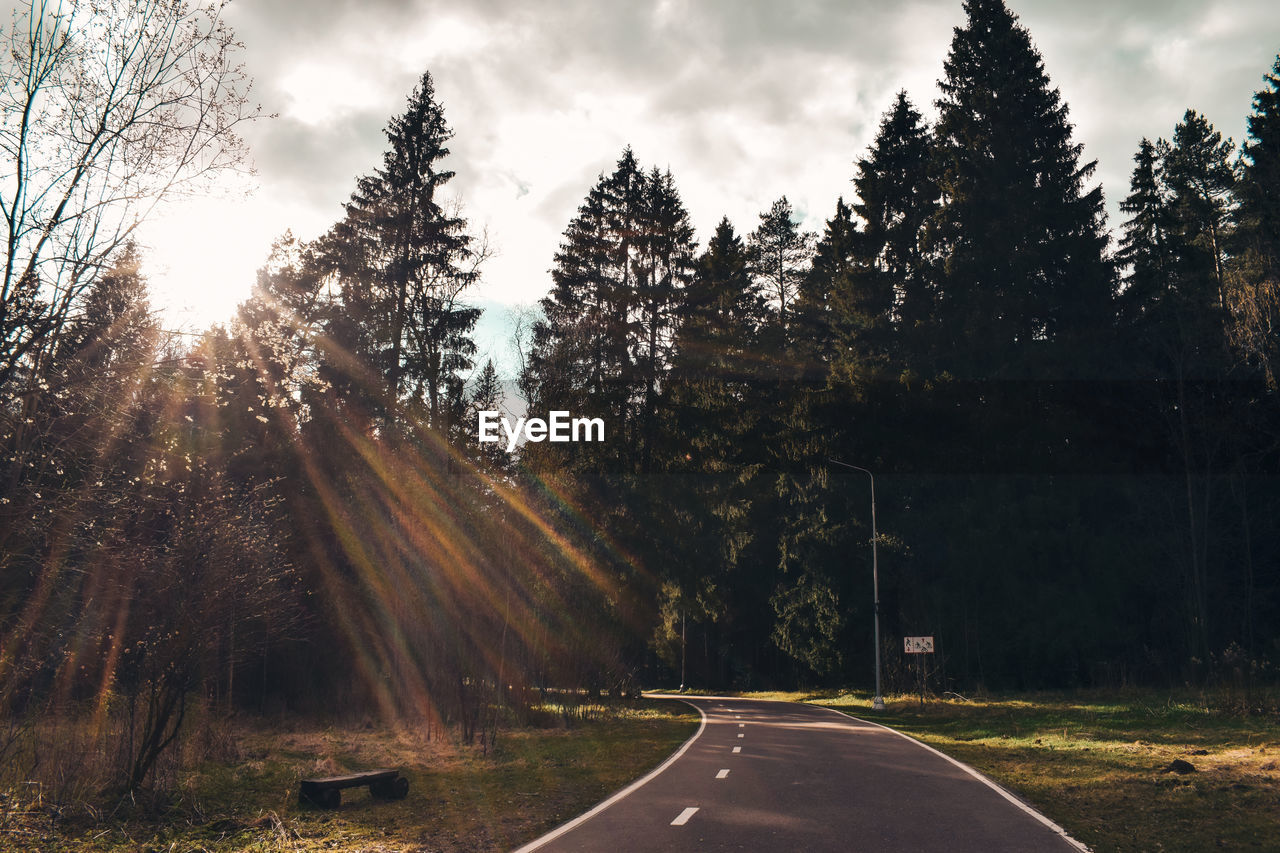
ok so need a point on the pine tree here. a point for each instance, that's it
(780, 256)
(1018, 238)
(1200, 177)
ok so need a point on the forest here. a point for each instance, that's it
(1072, 427)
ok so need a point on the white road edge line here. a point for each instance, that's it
(975, 774)
(722, 774)
(627, 791)
(682, 818)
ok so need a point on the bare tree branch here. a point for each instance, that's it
(107, 108)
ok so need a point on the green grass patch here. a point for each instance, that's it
(460, 799)
(1096, 762)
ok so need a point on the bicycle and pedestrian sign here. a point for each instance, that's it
(918, 645)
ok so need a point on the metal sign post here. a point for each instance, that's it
(919, 646)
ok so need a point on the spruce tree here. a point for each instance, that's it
(712, 386)
(1258, 215)
(569, 353)
(580, 360)
(722, 311)
(87, 389)
(405, 260)
(1019, 240)
(664, 269)
(818, 318)
(1023, 300)
(1173, 249)
(114, 327)
(486, 396)
(278, 323)
(604, 342)
(1255, 298)
(897, 195)
(830, 330)
(710, 413)
(1144, 247)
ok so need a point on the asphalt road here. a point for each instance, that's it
(763, 775)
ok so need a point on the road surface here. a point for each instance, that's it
(762, 775)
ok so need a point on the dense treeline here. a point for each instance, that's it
(1073, 443)
(291, 512)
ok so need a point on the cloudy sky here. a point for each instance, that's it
(743, 100)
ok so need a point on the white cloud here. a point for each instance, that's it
(320, 92)
(743, 101)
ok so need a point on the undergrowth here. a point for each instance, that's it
(242, 793)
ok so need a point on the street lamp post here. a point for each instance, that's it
(878, 703)
(682, 648)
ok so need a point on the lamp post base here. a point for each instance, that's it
(877, 704)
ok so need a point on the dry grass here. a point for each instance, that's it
(460, 798)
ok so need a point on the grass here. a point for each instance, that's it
(459, 798)
(1096, 763)
(1093, 762)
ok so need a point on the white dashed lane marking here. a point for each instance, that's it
(737, 749)
(683, 817)
(722, 774)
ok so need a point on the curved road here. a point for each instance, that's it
(763, 775)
